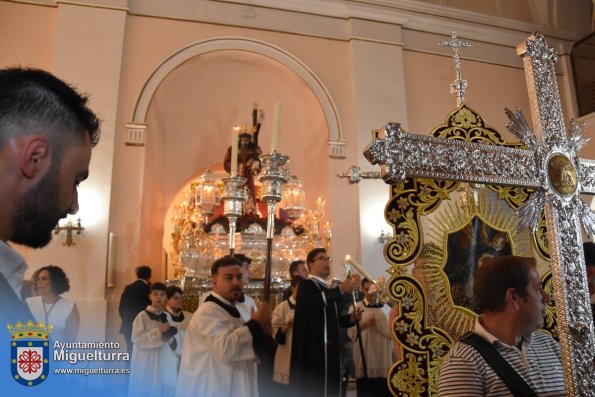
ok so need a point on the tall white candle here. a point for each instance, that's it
(234, 150)
(276, 125)
(359, 268)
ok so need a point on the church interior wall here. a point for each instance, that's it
(525, 11)
(342, 96)
(429, 100)
(27, 35)
(380, 96)
(379, 63)
(90, 38)
(190, 114)
(85, 39)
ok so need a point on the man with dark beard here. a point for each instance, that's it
(221, 348)
(46, 135)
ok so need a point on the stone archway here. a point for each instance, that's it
(138, 116)
(190, 113)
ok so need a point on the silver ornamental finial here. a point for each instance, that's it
(355, 175)
(458, 86)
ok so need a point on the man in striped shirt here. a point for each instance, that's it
(508, 294)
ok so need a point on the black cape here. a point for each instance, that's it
(310, 367)
(134, 300)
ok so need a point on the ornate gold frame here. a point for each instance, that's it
(422, 213)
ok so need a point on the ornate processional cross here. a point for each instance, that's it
(550, 167)
(459, 85)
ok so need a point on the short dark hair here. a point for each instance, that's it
(295, 280)
(158, 287)
(58, 279)
(143, 272)
(496, 276)
(171, 290)
(223, 262)
(294, 265)
(243, 258)
(33, 99)
(589, 249)
(365, 280)
(35, 276)
(312, 255)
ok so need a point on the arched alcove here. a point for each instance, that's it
(143, 101)
(191, 116)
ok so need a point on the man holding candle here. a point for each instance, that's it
(315, 356)
(219, 357)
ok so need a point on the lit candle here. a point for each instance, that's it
(208, 195)
(276, 125)
(359, 268)
(348, 262)
(234, 150)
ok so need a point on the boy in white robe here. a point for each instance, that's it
(219, 356)
(180, 318)
(376, 341)
(283, 332)
(153, 370)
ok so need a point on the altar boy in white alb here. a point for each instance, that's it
(153, 371)
(180, 318)
(220, 348)
(375, 341)
(283, 331)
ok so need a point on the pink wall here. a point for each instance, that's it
(191, 114)
(193, 110)
(26, 35)
(191, 119)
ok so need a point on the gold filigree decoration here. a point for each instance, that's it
(428, 319)
(550, 325)
(424, 346)
(423, 212)
(540, 239)
(409, 201)
(415, 198)
(467, 125)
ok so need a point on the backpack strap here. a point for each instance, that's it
(509, 376)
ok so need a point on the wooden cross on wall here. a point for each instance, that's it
(551, 167)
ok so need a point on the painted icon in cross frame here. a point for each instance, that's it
(443, 231)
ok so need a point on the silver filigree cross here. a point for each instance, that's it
(551, 167)
(459, 85)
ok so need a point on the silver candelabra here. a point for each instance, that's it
(233, 197)
(274, 175)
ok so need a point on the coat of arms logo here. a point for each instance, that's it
(29, 352)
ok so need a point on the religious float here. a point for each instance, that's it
(462, 194)
(241, 211)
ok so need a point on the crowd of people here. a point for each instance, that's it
(294, 349)
(46, 136)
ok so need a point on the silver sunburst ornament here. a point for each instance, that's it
(558, 171)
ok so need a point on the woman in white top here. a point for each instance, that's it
(48, 306)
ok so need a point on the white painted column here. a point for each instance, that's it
(88, 54)
(379, 91)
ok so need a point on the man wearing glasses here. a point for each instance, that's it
(315, 356)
